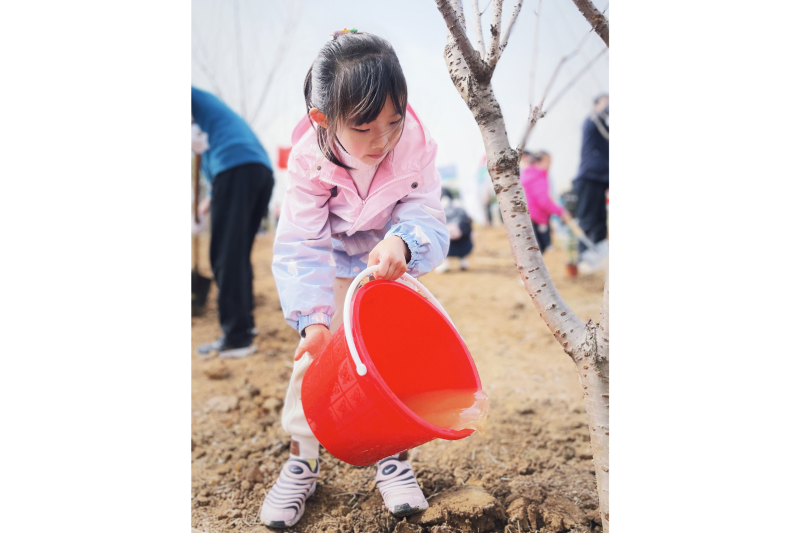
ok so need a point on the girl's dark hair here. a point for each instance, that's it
(349, 82)
(534, 157)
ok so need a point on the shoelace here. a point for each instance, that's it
(395, 476)
(294, 483)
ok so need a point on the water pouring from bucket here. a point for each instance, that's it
(395, 375)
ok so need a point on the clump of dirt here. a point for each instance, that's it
(215, 369)
(531, 468)
(466, 508)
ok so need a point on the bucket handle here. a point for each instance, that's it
(348, 326)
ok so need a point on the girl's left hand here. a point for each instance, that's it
(392, 254)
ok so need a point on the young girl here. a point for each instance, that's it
(363, 190)
(537, 191)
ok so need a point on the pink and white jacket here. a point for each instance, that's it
(322, 202)
(537, 191)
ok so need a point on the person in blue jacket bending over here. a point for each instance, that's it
(240, 174)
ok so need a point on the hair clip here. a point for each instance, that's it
(341, 32)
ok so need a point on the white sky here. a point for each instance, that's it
(416, 30)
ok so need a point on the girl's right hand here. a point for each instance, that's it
(317, 337)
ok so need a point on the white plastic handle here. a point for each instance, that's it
(348, 326)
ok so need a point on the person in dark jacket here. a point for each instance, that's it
(592, 181)
(240, 173)
(459, 226)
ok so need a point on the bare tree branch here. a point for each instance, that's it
(537, 113)
(458, 5)
(594, 17)
(288, 32)
(493, 53)
(532, 122)
(535, 54)
(574, 79)
(564, 59)
(507, 31)
(478, 28)
(456, 29)
(534, 116)
(209, 74)
(457, 65)
(560, 64)
(201, 59)
(240, 59)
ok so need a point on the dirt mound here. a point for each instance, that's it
(467, 508)
(532, 467)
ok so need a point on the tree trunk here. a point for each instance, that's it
(593, 373)
(594, 17)
(586, 344)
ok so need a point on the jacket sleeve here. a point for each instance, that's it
(419, 220)
(303, 263)
(541, 196)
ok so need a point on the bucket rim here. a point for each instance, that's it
(374, 375)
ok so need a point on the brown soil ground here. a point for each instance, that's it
(531, 469)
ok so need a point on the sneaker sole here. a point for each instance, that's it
(282, 524)
(237, 353)
(406, 510)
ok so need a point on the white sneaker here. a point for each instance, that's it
(444, 267)
(399, 487)
(463, 263)
(586, 268)
(221, 349)
(286, 501)
(238, 353)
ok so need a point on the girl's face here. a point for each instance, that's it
(544, 162)
(370, 142)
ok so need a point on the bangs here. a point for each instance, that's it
(364, 88)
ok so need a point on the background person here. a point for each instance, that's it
(486, 194)
(459, 227)
(537, 192)
(592, 181)
(240, 173)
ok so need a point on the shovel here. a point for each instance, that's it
(200, 283)
(596, 256)
(573, 226)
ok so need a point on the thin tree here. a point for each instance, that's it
(586, 344)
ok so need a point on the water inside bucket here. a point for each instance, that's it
(450, 408)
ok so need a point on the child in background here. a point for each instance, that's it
(363, 190)
(537, 191)
(459, 226)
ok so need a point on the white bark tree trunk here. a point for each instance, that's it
(586, 344)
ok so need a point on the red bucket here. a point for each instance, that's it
(407, 347)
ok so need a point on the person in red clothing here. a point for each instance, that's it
(537, 191)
